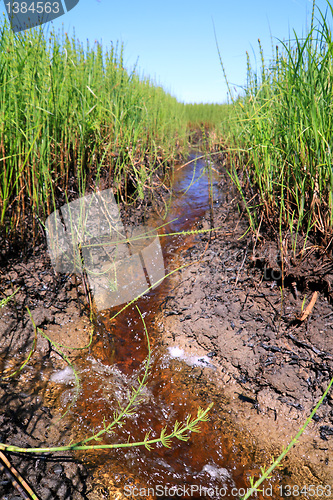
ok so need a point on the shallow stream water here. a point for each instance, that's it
(213, 463)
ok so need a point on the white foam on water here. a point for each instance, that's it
(216, 472)
(178, 353)
(65, 376)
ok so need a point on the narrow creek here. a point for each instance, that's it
(217, 458)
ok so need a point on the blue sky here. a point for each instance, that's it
(174, 41)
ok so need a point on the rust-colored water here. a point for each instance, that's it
(212, 459)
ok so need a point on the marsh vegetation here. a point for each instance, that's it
(74, 120)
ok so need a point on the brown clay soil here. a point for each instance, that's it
(270, 366)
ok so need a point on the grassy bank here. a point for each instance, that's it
(283, 134)
(206, 115)
(209, 125)
(73, 118)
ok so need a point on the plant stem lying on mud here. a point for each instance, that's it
(5, 301)
(57, 346)
(266, 474)
(180, 431)
(18, 481)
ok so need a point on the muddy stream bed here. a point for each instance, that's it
(217, 337)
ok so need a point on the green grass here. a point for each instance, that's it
(207, 115)
(71, 116)
(282, 134)
(73, 119)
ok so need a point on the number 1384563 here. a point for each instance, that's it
(33, 7)
(308, 490)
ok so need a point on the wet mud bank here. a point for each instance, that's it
(271, 368)
(220, 333)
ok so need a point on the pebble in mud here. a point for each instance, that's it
(58, 469)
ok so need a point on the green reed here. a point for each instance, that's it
(208, 115)
(72, 117)
(283, 132)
